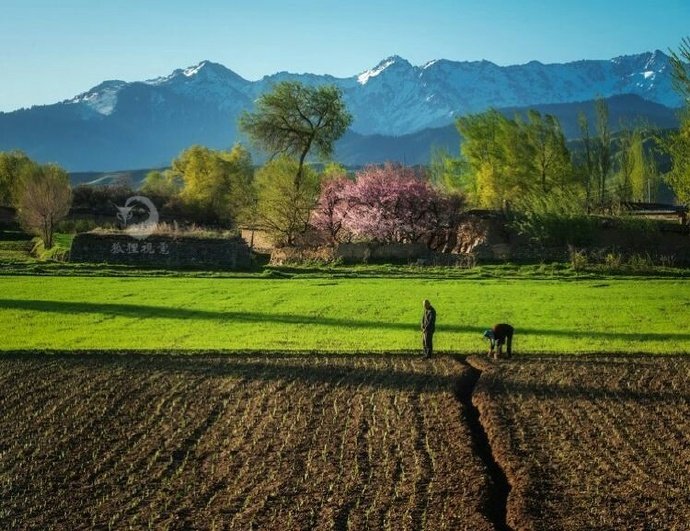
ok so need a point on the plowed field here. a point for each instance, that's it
(591, 443)
(240, 442)
(343, 442)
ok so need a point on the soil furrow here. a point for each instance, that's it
(497, 496)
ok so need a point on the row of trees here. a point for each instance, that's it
(504, 159)
(518, 159)
(389, 203)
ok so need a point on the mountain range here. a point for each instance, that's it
(399, 110)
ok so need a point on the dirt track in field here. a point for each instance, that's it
(237, 442)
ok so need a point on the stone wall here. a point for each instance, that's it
(484, 236)
(161, 251)
(354, 253)
(487, 238)
(362, 252)
(669, 243)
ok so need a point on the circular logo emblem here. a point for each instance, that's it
(143, 229)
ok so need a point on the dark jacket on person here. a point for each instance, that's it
(502, 332)
(429, 320)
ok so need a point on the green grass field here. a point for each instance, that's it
(340, 314)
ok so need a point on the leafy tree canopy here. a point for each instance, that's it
(294, 119)
(15, 166)
(217, 182)
(284, 206)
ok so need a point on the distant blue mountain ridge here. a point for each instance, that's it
(400, 111)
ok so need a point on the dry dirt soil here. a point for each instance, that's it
(343, 442)
(591, 443)
(238, 442)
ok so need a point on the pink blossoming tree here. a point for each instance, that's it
(389, 203)
(331, 212)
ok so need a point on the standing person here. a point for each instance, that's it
(428, 328)
(499, 335)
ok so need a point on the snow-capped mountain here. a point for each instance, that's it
(401, 98)
(118, 124)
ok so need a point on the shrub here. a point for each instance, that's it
(667, 261)
(641, 263)
(57, 253)
(578, 259)
(613, 260)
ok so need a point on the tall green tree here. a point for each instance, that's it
(636, 175)
(678, 144)
(294, 120)
(602, 149)
(678, 147)
(15, 166)
(552, 159)
(482, 151)
(519, 157)
(626, 165)
(587, 167)
(217, 182)
(597, 163)
(283, 205)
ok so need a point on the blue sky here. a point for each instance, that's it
(51, 50)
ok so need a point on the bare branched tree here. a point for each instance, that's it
(44, 200)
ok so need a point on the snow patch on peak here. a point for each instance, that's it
(193, 70)
(657, 61)
(102, 98)
(430, 63)
(365, 76)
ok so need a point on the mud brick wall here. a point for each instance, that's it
(161, 251)
(353, 253)
(357, 253)
(488, 238)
